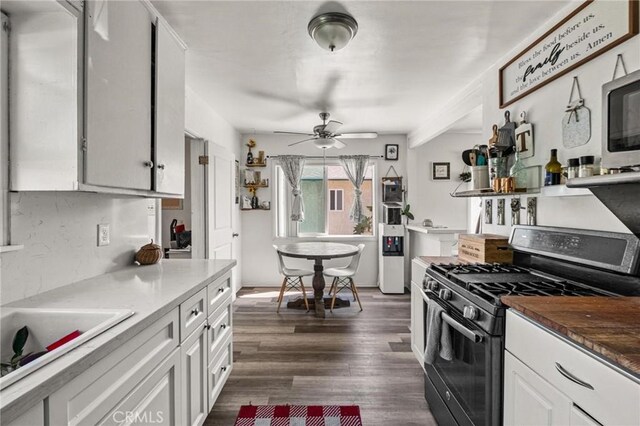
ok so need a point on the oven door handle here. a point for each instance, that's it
(469, 334)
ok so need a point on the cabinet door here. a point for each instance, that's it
(417, 322)
(156, 400)
(580, 418)
(32, 417)
(169, 113)
(194, 381)
(529, 399)
(118, 95)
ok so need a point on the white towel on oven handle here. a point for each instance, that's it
(438, 334)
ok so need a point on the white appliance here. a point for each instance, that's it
(391, 258)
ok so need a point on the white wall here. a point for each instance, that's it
(203, 121)
(545, 109)
(260, 267)
(430, 198)
(59, 234)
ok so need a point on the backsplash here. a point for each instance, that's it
(59, 234)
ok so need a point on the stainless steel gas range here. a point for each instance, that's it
(547, 262)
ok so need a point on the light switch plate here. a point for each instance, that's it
(104, 235)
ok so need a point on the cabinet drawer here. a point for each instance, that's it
(219, 371)
(614, 398)
(220, 327)
(193, 313)
(218, 291)
(88, 398)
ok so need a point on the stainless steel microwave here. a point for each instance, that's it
(621, 122)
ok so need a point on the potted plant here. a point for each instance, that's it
(407, 212)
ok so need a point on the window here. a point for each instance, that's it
(328, 197)
(335, 200)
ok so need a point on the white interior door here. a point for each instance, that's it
(197, 187)
(221, 184)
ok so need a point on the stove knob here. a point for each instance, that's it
(432, 285)
(445, 294)
(470, 312)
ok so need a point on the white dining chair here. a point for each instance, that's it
(343, 278)
(292, 280)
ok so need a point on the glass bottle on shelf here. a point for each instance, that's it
(249, 157)
(553, 170)
(519, 173)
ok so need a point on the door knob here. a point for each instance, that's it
(148, 164)
(161, 166)
(235, 235)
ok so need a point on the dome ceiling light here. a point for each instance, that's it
(333, 31)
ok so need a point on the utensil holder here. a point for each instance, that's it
(479, 177)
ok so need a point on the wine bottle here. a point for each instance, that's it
(553, 170)
(519, 173)
(249, 157)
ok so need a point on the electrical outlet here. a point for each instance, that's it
(104, 236)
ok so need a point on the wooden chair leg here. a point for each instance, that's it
(354, 290)
(334, 286)
(281, 296)
(304, 294)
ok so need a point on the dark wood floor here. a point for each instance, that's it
(350, 357)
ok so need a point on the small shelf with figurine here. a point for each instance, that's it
(255, 161)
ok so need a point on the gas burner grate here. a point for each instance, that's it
(448, 269)
(493, 291)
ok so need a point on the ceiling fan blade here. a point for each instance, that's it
(338, 144)
(293, 133)
(304, 140)
(367, 135)
(332, 126)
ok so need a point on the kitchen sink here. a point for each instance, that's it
(47, 326)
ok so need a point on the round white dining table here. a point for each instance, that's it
(318, 252)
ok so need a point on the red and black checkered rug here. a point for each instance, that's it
(299, 415)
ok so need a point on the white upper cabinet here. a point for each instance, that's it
(169, 112)
(118, 94)
(45, 94)
(96, 99)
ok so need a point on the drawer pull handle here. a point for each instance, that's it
(207, 326)
(195, 311)
(224, 368)
(223, 326)
(571, 377)
(220, 290)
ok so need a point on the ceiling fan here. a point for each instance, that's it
(325, 135)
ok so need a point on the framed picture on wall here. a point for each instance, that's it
(441, 171)
(391, 152)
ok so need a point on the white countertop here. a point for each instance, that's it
(436, 230)
(150, 291)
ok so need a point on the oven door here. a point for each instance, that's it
(470, 384)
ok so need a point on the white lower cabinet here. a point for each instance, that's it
(153, 378)
(418, 299)
(94, 395)
(194, 381)
(156, 400)
(32, 417)
(529, 399)
(550, 381)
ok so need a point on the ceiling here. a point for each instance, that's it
(255, 64)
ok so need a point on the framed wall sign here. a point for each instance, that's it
(590, 30)
(391, 152)
(441, 171)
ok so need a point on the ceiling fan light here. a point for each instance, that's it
(333, 31)
(323, 143)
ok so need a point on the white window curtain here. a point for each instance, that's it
(355, 166)
(292, 166)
